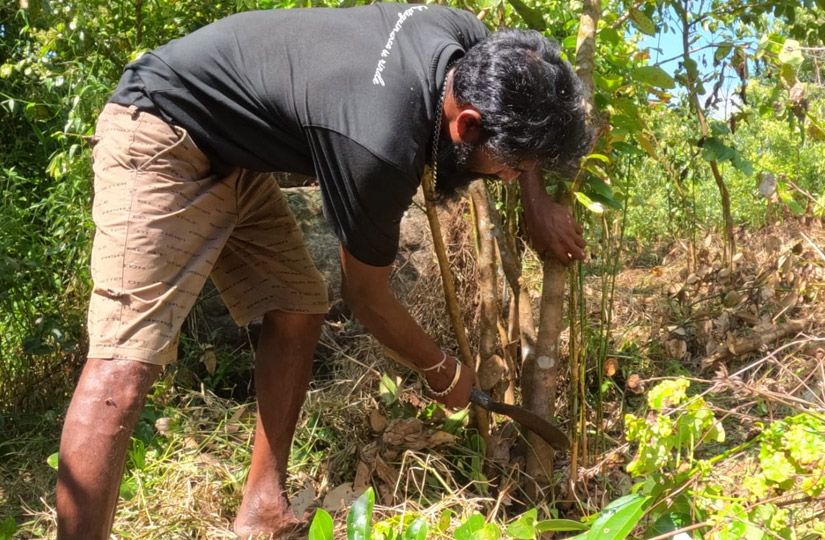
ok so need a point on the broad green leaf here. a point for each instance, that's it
(642, 22)
(588, 203)
(359, 518)
(609, 35)
(618, 518)
(52, 461)
(487, 532)
(524, 527)
(444, 520)
(719, 128)
(667, 522)
(128, 488)
(691, 68)
(627, 148)
(531, 16)
(7, 528)
(417, 530)
(715, 150)
(742, 164)
(455, 421)
(322, 526)
(722, 51)
(791, 53)
(668, 393)
(560, 525)
(387, 389)
(606, 201)
(654, 76)
(466, 530)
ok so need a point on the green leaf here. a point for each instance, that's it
(560, 525)
(742, 164)
(417, 530)
(444, 520)
(466, 530)
(668, 393)
(654, 76)
(487, 532)
(359, 518)
(716, 150)
(52, 461)
(791, 53)
(322, 526)
(642, 22)
(128, 488)
(669, 522)
(7, 528)
(722, 51)
(531, 16)
(588, 203)
(524, 527)
(618, 519)
(387, 389)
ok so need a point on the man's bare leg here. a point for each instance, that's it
(283, 368)
(102, 415)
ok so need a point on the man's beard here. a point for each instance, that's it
(453, 175)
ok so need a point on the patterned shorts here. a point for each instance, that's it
(165, 221)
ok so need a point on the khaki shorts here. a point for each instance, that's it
(165, 222)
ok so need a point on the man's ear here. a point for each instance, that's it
(466, 127)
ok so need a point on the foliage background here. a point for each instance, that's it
(59, 61)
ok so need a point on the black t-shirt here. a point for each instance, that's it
(347, 95)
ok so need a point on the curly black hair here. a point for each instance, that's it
(530, 99)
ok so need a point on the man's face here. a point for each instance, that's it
(460, 163)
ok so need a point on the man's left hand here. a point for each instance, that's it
(553, 231)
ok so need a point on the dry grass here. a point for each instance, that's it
(186, 481)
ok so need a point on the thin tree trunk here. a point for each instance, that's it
(491, 367)
(540, 372)
(730, 241)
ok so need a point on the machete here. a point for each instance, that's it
(529, 420)
(538, 425)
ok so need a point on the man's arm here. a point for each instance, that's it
(551, 227)
(366, 290)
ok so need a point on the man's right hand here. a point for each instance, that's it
(459, 397)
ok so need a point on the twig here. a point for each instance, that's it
(448, 283)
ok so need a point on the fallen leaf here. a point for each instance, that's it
(303, 500)
(339, 497)
(635, 384)
(209, 359)
(611, 366)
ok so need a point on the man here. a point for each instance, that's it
(361, 98)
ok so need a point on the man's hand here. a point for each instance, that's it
(459, 397)
(551, 227)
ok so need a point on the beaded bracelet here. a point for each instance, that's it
(452, 385)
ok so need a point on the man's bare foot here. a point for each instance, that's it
(257, 522)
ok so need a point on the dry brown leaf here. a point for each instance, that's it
(362, 476)
(378, 422)
(676, 348)
(209, 359)
(303, 500)
(339, 497)
(635, 384)
(611, 366)
(403, 430)
(441, 437)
